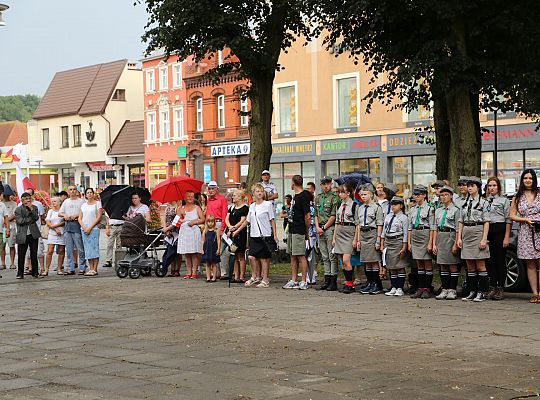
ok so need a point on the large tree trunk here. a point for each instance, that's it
(442, 135)
(260, 127)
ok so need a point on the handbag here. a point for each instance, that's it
(102, 224)
(45, 232)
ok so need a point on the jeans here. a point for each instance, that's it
(21, 251)
(74, 240)
(330, 260)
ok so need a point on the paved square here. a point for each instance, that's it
(151, 338)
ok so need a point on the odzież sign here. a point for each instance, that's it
(231, 149)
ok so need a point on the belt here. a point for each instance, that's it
(366, 228)
(473, 223)
(116, 224)
(445, 229)
(346, 223)
(394, 236)
(497, 223)
(421, 228)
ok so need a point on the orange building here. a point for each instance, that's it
(165, 124)
(219, 139)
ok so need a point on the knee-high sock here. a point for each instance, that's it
(375, 275)
(348, 276)
(454, 276)
(429, 278)
(483, 281)
(401, 280)
(421, 279)
(445, 279)
(472, 281)
(393, 280)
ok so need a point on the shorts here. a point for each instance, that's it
(296, 244)
(11, 242)
(3, 246)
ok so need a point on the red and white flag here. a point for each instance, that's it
(177, 221)
(23, 182)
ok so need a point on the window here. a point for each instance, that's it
(119, 95)
(346, 102)
(150, 82)
(244, 119)
(65, 136)
(163, 78)
(164, 124)
(199, 108)
(410, 171)
(221, 111)
(68, 177)
(45, 139)
(151, 126)
(177, 75)
(178, 117)
(287, 108)
(220, 57)
(76, 135)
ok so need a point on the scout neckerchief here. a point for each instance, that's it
(417, 222)
(443, 220)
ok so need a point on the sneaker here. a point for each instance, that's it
(303, 286)
(291, 285)
(471, 296)
(399, 292)
(108, 264)
(375, 289)
(391, 292)
(442, 295)
(366, 289)
(425, 294)
(452, 294)
(348, 289)
(479, 297)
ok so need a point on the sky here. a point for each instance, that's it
(43, 37)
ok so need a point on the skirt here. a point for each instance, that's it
(344, 238)
(392, 258)
(445, 242)
(189, 239)
(56, 239)
(258, 249)
(419, 241)
(471, 237)
(368, 253)
(91, 244)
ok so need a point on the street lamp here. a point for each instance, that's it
(3, 7)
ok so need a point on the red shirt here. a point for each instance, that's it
(217, 207)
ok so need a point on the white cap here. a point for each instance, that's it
(213, 184)
(265, 172)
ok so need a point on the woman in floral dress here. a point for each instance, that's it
(525, 209)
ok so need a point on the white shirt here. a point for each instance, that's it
(89, 213)
(260, 217)
(71, 208)
(3, 212)
(141, 209)
(54, 219)
(10, 207)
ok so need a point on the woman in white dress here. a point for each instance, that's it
(56, 237)
(189, 235)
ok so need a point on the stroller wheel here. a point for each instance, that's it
(134, 273)
(122, 272)
(146, 272)
(161, 270)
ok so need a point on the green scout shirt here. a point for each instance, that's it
(325, 206)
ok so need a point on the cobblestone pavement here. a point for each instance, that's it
(151, 338)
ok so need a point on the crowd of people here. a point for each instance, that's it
(349, 225)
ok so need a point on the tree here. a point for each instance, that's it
(467, 53)
(18, 108)
(255, 31)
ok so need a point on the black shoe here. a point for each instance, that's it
(223, 278)
(332, 287)
(107, 265)
(69, 273)
(375, 289)
(35, 276)
(326, 283)
(366, 289)
(348, 289)
(19, 277)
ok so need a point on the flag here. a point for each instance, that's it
(14, 157)
(23, 182)
(177, 221)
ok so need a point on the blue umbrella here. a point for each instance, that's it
(355, 178)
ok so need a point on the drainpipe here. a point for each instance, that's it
(109, 141)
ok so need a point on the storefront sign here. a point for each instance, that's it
(207, 172)
(99, 166)
(231, 149)
(181, 151)
(157, 168)
(356, 145)
(406, 141)
(511, 134)
(298, 148)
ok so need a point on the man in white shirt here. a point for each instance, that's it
(269, 187)
(70, 209)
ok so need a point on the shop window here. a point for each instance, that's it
(424, 170)
(346, 102)
(221, 111)
(150, 81)
(287, 107)
(199, 113)
(65, 136)
(532, 158)
(106, 178)
(177, 75)
(374, 167)
(68, 177)
(151, 126)
(508, 160)
(76, 136)
(401, 168)
(331, 168)
(45, 145)
(354, 165)
(163, 78)
(164, 124)
(178, 116)
(244, 119)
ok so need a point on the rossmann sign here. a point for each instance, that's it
(511, 134)
(231, 149)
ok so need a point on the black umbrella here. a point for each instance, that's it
(116, 199)
(356, 178)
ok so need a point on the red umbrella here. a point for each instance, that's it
(175, 188)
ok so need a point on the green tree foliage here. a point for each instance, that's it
(466, 52)
(18, 108)
(256, 31)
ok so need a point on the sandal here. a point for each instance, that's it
(186, 277)
(250, 282)
(534, 299)
(263, 284)
(59, 272)
(193, 277)
(208, 280)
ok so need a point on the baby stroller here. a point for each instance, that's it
(141, 256)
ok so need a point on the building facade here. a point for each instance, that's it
(79, 118)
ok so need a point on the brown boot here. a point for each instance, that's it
(491, 293)
(499, 295)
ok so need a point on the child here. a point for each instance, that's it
(211, 248)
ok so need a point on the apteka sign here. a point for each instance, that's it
(231, 149)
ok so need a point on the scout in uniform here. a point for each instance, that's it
(460, 198)
(444, 243)
(436, 201)
(472, 239)
(500, 226)
(368, 238)
(420, 241)
(344, 232)
(326, 204)
(394, 242)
